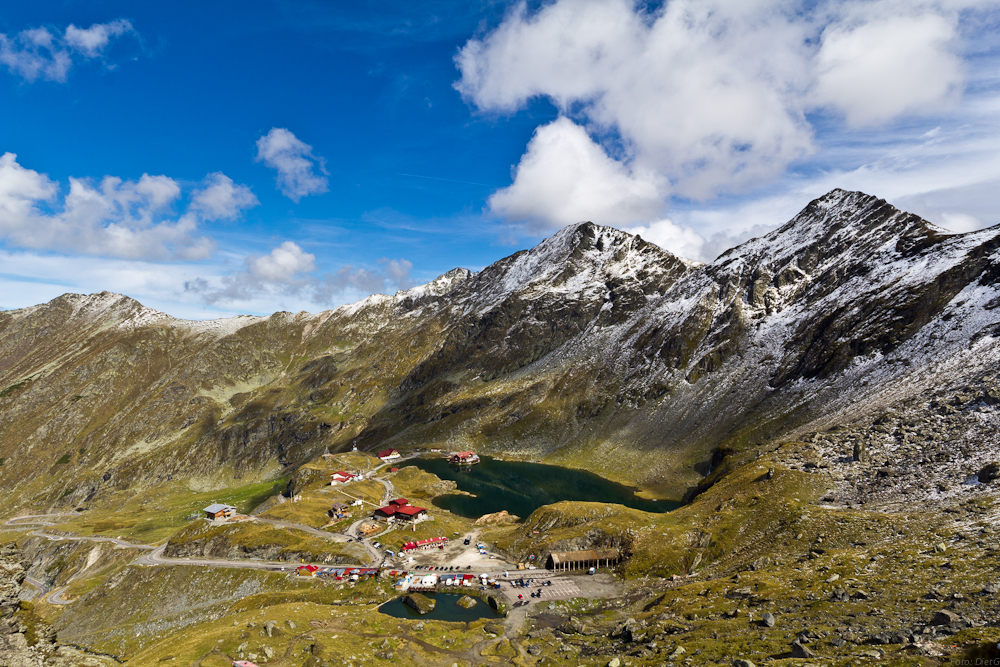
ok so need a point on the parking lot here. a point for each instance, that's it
(562, 588)
(463, 557)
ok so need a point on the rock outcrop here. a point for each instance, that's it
(25, 640)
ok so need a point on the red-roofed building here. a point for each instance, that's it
(409, 512)
(389, 455)
(307, 570)
(399, 501)
(464, 458)
(341, 477)
(429, 542)
(387, 512)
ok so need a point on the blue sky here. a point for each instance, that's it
(299, 155)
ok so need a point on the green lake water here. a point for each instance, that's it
(521, 488)
(446, 609)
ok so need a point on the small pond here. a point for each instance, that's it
(446, 609)
(521, 488)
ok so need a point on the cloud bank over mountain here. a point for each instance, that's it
(693, 100)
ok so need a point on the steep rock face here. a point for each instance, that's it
(25, 640)
(851, 303)
(594, 348)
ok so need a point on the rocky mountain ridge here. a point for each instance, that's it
(593, 349)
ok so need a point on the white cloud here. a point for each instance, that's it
(37, 53)
(876, 71)
(397, 272)
(565, 177)
(287, 272)
(682, 241)
(222, 199)
(92, 41)
(705, 97)
(295, 163)
(112, 218)
(283, 265)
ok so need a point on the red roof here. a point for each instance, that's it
(388, 509)
(409, 510)
(399, 501)
(310, 568)
(387, 452)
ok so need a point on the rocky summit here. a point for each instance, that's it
(825, 399)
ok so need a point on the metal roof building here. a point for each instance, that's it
(576, 560)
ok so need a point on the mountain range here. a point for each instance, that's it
(595, 349)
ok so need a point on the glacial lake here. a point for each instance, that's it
(445, 609)
(521, 488)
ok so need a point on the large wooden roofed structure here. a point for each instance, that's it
(576, 560)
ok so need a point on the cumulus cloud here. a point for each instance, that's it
(283, 265)
(222, 199)
(112, 218)
(876, 71)
(697, 98)
(37, 53)
(682, 241)
(565, 177)
(295, 163)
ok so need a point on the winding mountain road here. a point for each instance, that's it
(24, 520)
(154, 554)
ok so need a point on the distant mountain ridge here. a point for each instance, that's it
(594, 349)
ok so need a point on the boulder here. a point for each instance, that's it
(800, 651)
(945, 617)
(768, 619)
(989, 473)
(630, 631)
(883, 638)
(743, 662)
(467, 602)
